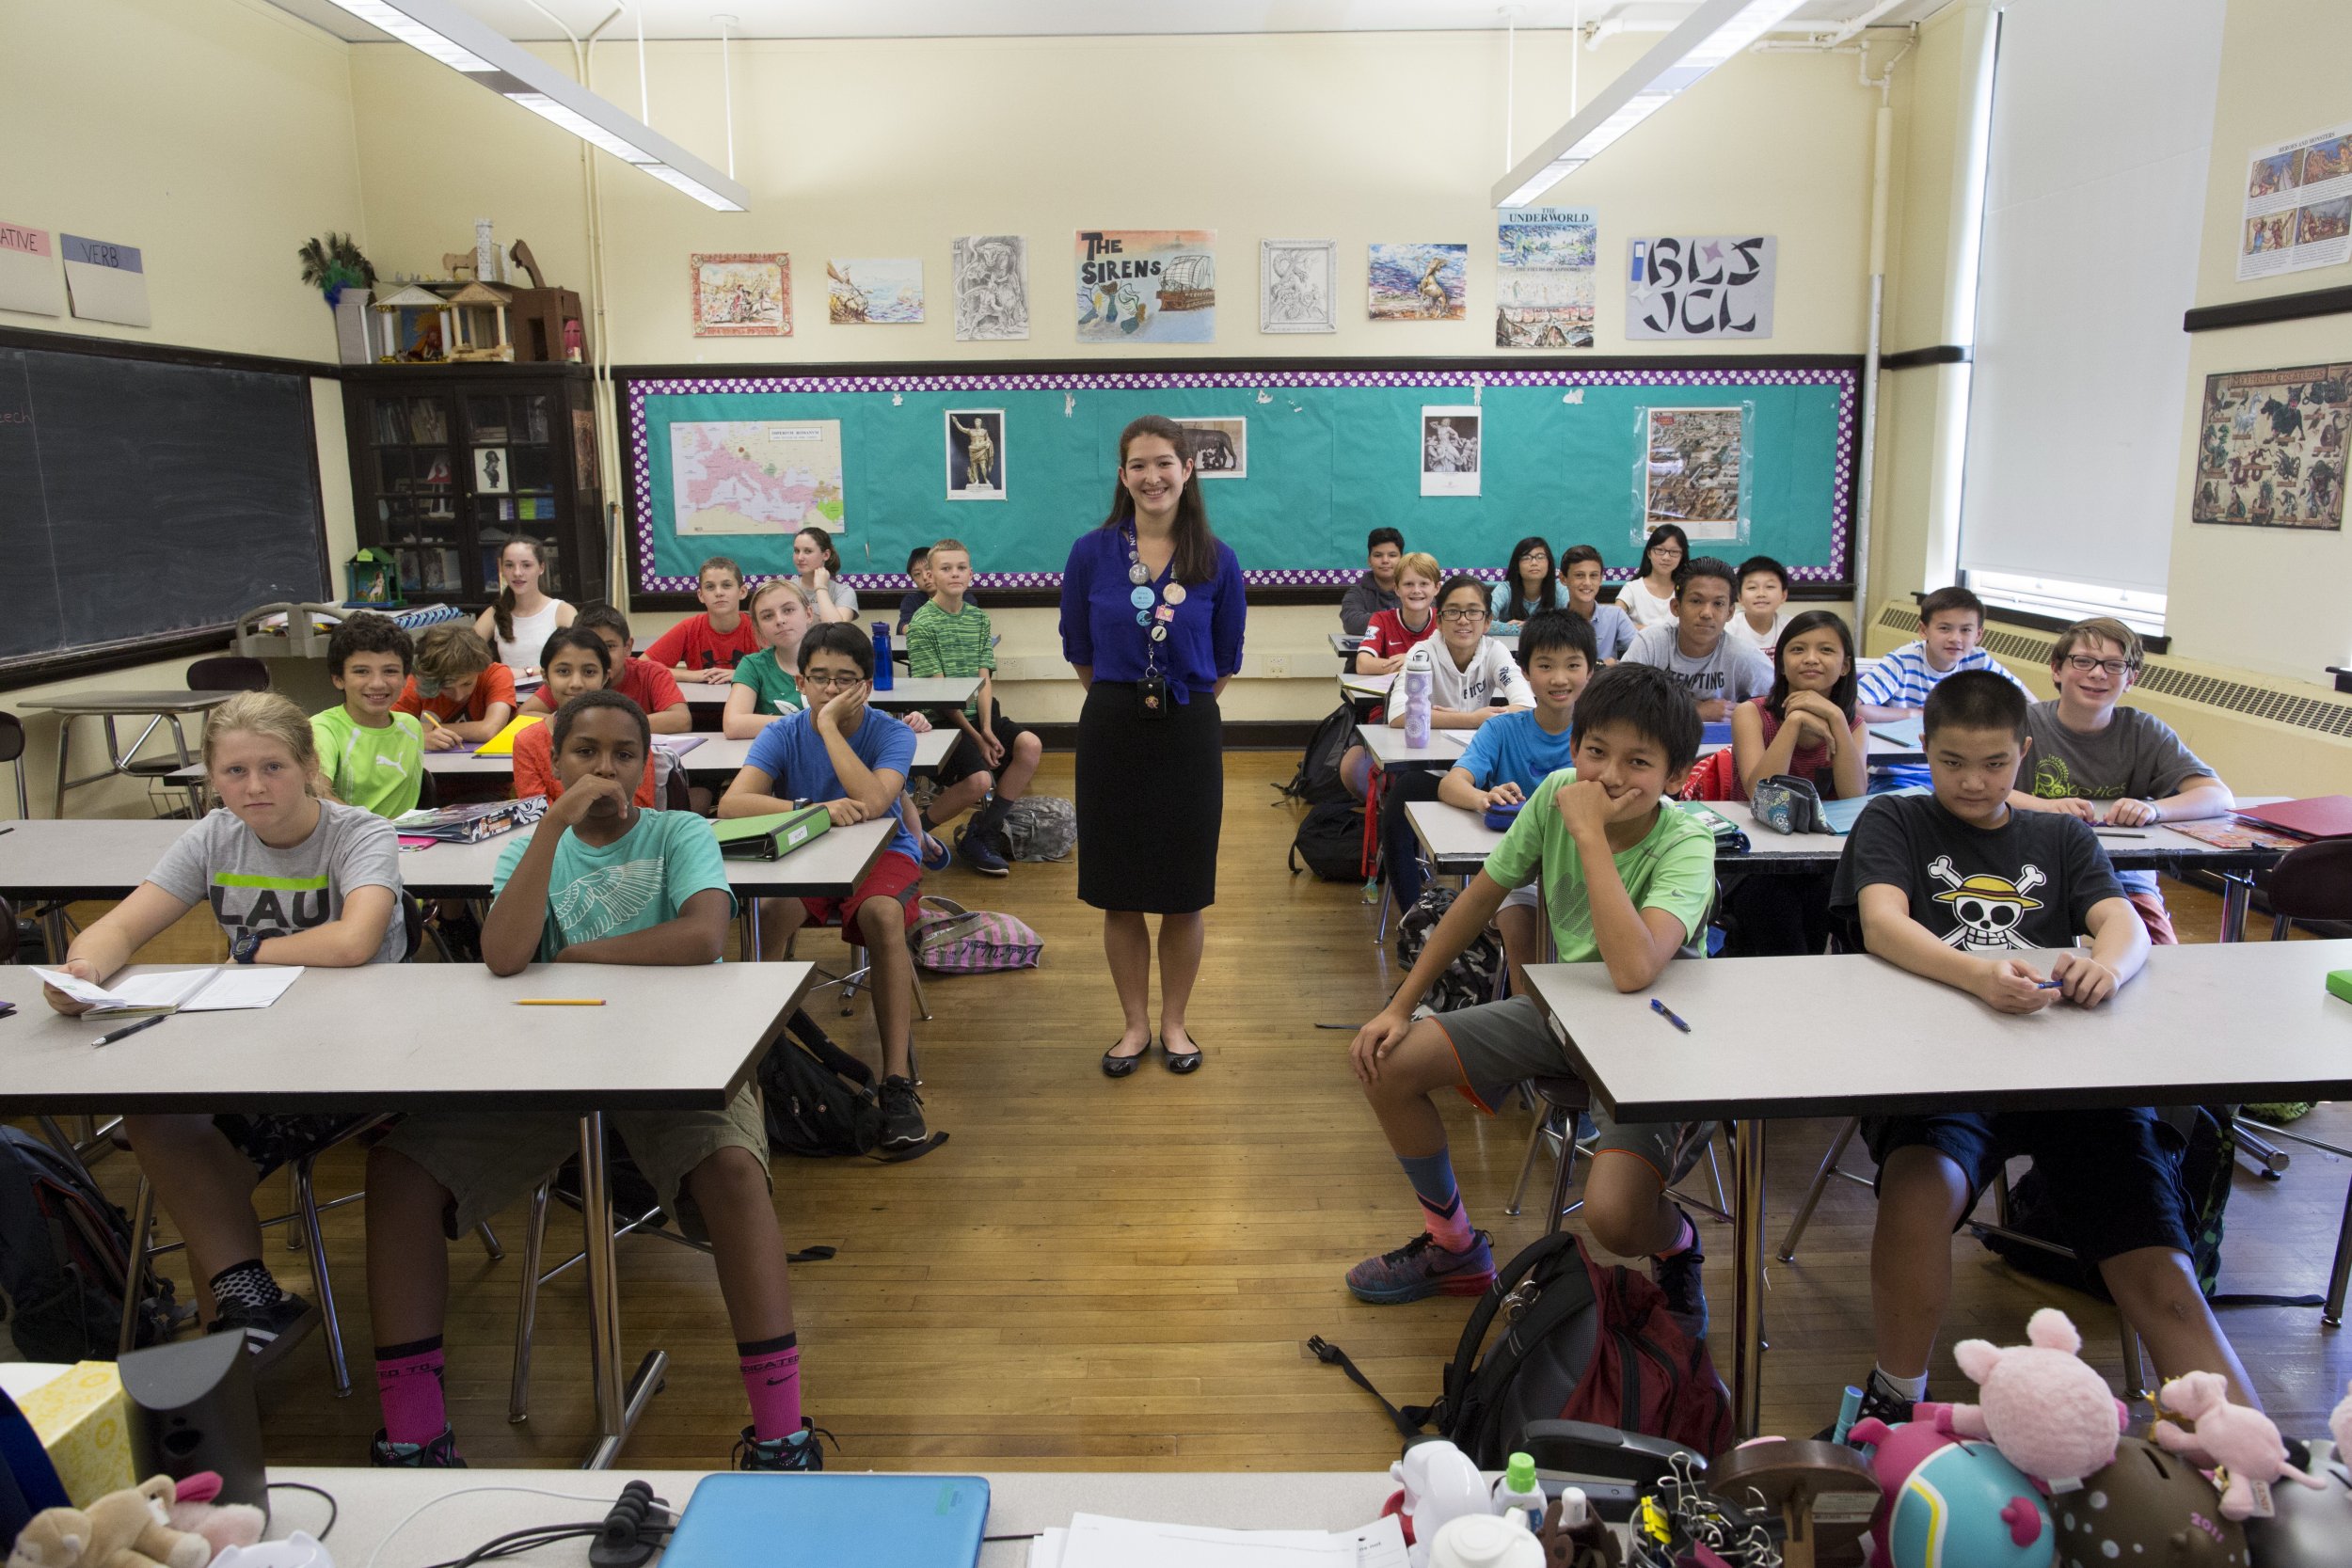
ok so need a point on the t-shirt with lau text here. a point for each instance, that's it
(277, 893)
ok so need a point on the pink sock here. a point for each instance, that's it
(409, 1384)
(772, 1381)
(1686, 1237)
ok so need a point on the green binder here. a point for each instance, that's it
(772, 837)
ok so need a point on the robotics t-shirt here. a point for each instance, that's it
(1989, 893)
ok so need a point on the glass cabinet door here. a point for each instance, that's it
(512, 447)
(412, 473)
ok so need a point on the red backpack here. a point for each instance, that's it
(1581, 1341)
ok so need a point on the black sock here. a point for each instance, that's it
(247, 1284)
(990, 816)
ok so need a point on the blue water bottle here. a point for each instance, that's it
(883, 675)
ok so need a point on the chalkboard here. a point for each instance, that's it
(144, 500)
(1324, 454)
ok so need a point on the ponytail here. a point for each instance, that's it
(503, 608)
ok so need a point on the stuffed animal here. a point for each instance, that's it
(2244, 1444)
(130, 1528)
(221, 1524)
(2339, 1426)
(2047, 1412)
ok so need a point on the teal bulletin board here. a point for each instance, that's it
(1325, 454)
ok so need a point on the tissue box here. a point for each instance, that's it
(78, 1412)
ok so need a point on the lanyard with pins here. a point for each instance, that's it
(1155, 609)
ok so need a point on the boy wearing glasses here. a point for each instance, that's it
(2106, 764)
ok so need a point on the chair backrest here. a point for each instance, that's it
(226, 673)
(412, 918)
(2313, 882)
(7, 932)
(12, 738)
(428, 792)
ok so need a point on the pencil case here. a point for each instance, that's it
(1501, 818)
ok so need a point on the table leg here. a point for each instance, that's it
(1747, 1285)
(604, 1303)
(751, 931)
(2237, 895)
(65, 750)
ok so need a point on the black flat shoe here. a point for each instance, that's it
(1120, 1067)
(1181, 1061)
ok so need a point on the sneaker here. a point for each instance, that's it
(439, 1455)
(799, 1451)
(1686, 1295)
(1891, 1405)
(981, 856)
(461, 936)
(936, 856)
(902, 1115)
(1422, 1268)
(269, 1332)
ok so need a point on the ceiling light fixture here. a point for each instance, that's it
(464, 45)
(1718, 30)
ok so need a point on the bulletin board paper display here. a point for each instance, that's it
(1332, 453)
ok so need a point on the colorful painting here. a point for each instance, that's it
(1420, 282)
(991, 273)
(1691, 479)
(1221, 447)
(1450, 450)
(2298, 205)
(976, 454)
(874, 292)
(1298, 285)
(1147, 285)
(1544, 270)
(2270, 447)
(742, 294)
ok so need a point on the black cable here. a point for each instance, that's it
(1024, 1535)
(334, 1510)
(520, 1540)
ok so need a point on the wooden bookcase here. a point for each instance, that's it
(449, 462)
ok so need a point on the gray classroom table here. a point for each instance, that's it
(1385, 743)
(161, 707)
(373, 1503)
(1762, 1048)
(1345, 646)
(353, 1039)
(715, 757)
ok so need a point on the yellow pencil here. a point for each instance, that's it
(559, 1002)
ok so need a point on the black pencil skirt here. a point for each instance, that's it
(1150, 802)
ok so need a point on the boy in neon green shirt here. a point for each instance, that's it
(370, 756)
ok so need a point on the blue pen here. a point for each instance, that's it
(1668, 1014)
(1849, 1412)
(2047, 985)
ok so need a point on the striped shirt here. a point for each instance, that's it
(942, 643)
(1904, 678)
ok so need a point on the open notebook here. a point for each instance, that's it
(224, 989)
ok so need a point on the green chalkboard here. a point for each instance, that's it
(1327, 452)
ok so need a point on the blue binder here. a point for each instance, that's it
(737, 1521)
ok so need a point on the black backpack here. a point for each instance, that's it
(1331, 840)
(1317, 781)
(820, 1098)
(65, 1252)
(1471, 979)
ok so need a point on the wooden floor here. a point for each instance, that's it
(1125, 1274)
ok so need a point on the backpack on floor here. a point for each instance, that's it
(1469, 979)
(1580, 1342)
(1317, 781)
(1040, 828)
(951, 939)
(1331, 842)
(821, 1100)
(65, 1252)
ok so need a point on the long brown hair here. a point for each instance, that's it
(1195, 559)
(503, 609)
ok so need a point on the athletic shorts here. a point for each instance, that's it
(894, 876)
(965, 760)
(2154, 915)
(488, 1159)
(1502, 1042)
(2113, 1184)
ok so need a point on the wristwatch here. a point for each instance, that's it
(247, 946)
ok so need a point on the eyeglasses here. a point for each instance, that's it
(1462, 615)
(831, 683)
(2082, 664)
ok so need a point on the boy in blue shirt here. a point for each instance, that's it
(599, 881)
(1511, 754)
(852, 759)
(1627, 880)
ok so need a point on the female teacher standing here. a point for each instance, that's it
(1151, 614)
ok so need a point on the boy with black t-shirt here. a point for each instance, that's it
(1960, 888)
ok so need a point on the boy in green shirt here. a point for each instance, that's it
(948, 637)
(370, 756)
(1627, 879)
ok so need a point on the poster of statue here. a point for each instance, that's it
(741, 294)
(1297, 285)
(1221, 447)
(1700, 286)
(1692, 472)
(1449, 450)
(1418, 282)
(976, 454)
(884, 291)
(991, 286)
(1544, 261)
(1147, 285)
(2270, 447)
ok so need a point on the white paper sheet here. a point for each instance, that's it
(223, 988)
(1095, 1541)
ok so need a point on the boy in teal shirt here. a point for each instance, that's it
(1627, 880)
(599, 881)
(950, 636)
(370, 756)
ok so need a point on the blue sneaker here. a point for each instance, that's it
(936, 856)
(1422, 1268)
(980, 855)
(1679, 1277)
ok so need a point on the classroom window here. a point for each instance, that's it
(2138, 608)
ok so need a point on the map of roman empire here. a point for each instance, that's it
(757, 476)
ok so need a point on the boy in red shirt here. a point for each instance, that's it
(705, 647)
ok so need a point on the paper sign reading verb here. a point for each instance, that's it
(105, 281)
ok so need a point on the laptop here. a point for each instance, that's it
(2322, 817)
(873, 1521)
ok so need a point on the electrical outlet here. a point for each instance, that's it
(1277, 668)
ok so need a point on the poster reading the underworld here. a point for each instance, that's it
(1543, 259)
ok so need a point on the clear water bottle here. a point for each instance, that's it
(884, 677)
(1417, 677)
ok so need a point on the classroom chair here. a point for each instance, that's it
(12, 752)
(1558, 1103)
(223, 674)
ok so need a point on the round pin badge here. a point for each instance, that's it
(1143, 617)
(1159, 634)
(1174, 592)
(1138, 574)
(1141, 598)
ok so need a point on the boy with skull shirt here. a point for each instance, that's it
(1960, 888)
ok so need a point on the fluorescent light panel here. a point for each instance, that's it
(1718, 30)
(466, 45)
